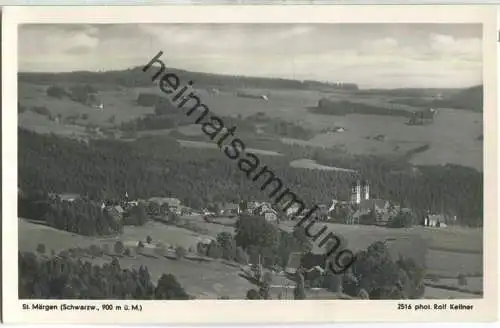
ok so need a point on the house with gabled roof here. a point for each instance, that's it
(230, 209)
(173, 204)
(435, 220)
(270, 215)
(165, 200)
(293, 210)
(379, 207)
(116, 212)
(259, 207)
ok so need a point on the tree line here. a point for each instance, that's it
(467, 99)
(82, 216)
(159, 166)
(167, 116)
(64, 278)
(135, 77)
(344, 107)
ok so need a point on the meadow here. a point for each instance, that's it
(452, 138)
(444, 252)
(209, 279)
(312, 165)
(463, 254)
(213, 145)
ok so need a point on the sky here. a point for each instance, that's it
(371, 55)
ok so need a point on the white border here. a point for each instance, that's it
(216, 311)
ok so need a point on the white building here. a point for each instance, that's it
(360, 191)
(270, 215)
(356, 193)
(334, 204)
(435, 220)
(292, 210)
(366, 190)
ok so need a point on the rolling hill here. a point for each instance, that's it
(136, 77)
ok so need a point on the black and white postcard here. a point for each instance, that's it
(208, 164)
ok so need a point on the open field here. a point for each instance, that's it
(202, 279)
(473, 283)
(30, 235)
(117, 103)
(191, 130)
(312, 165)
(212, 229)
(442, 294)
(189, 168)
(463, 247)
(463, 252)
(213, 145)
(205, 280)
(417, 243)
(452, 137)
(41, 124)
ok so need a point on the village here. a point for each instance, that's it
(360, 209)
(112, 175)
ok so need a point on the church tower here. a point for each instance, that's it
(366, 190)
(356, 193)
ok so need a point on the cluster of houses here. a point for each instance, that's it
(361, 205)
(354, 211)
(263, 209)
(154, 205)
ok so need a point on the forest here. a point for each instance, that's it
(168, 116)
(135, 77)
(467, 99)
(374, 272)
(329, 107)
(64, 278)
(159, 166)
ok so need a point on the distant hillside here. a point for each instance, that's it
(136, 77)
(467, 99)
(470, 98)
(409, 92)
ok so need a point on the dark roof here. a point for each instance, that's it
(311, 260)
(436, 217)
(230, 206)
(115, 209)
(165, 200)
(119, 209)
(369, 204)
(269, 210)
